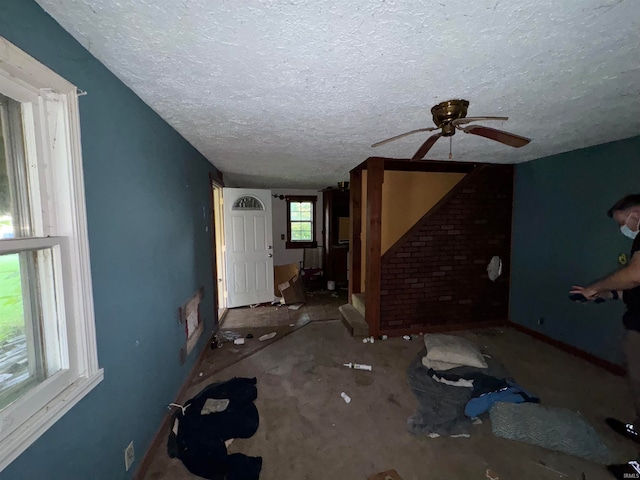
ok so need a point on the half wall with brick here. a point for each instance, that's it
(434, 277)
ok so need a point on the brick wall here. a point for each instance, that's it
(436, 275)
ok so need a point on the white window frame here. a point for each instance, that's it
(51, 104)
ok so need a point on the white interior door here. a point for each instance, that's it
(248, 246)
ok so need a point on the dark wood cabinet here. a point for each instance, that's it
(335, 206)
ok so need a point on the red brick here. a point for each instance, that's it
(476, 226)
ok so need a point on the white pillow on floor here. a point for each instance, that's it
(438, 366)
(451, 351)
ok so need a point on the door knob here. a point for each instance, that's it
(270, 255)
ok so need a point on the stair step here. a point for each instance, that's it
(354, 321)
(358, 300)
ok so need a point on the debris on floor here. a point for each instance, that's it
(204, 425)
(441, 405)
(358, 366)
(388, 475)
(216, 342)
(267, 336)
(491, 475)
(238, 341)
(540, 463)
(295, 306)
(368, 340)
(345, 397)
(227, 335)
(407, 337)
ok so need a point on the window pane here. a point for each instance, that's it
(15, 218)
(305, 211)
(27, 311)
(294, 210)
(301, 231)
(301, 217)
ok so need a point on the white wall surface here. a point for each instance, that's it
(282, 255)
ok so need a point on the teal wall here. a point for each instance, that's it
(148, 212)
(562, 236)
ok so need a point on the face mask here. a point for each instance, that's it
(627, 232)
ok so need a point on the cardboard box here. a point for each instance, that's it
(282, 274)
(292, 291)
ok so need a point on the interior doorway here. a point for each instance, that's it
(217, 228)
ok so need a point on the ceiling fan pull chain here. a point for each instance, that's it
(450, 143)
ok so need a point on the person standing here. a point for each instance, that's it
(625, 284)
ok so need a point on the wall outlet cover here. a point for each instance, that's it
(129, 456)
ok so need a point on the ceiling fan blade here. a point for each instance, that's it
(426, 146)
(507, 138)
(461, 121)
(431, 129)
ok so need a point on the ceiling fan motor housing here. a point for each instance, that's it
(446, 112)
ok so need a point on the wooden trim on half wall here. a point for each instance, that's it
(355, 237)
(375, 177)
(406, 164)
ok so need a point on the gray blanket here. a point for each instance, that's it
(440, 406)
(549, 427)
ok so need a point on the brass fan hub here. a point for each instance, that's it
(446, 112)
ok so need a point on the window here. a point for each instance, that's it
(248, 202)
(301, 219)
(48, 357)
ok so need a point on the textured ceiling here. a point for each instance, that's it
(292, 93)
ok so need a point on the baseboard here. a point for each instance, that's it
(605, 364)
(163, 431)
(441, 328)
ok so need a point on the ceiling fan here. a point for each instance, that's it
(451, 115)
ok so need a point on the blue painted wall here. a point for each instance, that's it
(562, 236)
(148, 212)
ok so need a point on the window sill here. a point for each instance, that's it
(291, 245)
(18, 441)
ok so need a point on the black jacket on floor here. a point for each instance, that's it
(199, 442)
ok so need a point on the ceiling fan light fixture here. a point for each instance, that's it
(446, 112)
(452, 114)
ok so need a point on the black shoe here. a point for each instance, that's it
(625, 470)
(624, 429)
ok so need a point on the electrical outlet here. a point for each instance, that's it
(129, 456)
